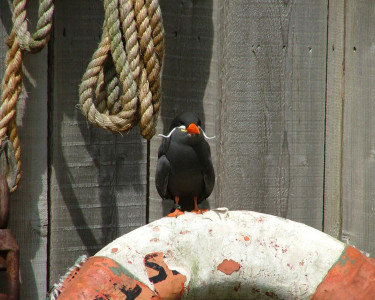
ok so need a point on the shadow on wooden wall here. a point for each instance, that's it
(98, 179)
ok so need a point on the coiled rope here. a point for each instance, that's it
(20, 40)
(121, 86)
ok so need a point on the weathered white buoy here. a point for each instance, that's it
(222, 255)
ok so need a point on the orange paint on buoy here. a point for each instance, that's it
(103, 278)
(351, 277)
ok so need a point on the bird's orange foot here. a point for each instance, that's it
(199, 211)
(176, 213)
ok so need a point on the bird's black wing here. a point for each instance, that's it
(163, 169)
(163, 147)
(208, 173)
(209, 180)
(161, 176)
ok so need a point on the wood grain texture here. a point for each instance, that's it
(273, 71)
(332, 223)
(358, 189)
(28, 218)
(190, 78)
(98, 179)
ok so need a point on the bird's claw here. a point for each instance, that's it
(177, 212)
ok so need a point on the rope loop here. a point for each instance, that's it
(36, 41)
(20, 39)
(121, 86)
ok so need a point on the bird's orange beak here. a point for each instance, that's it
(193, 129)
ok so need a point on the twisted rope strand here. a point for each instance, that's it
(129, 28)
(113, 88)
(145, 95)
(157, 28)
(129, 96)
(158, 40)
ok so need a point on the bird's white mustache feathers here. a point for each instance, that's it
(184, 127)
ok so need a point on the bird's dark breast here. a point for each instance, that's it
(185, 178)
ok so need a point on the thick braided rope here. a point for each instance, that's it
(157, 33)
(150, 28)
(20, 39)
(11, 89)
(145, 95)
(119, 122)
(129, 27)
(129, 85)
(127, 47)
(36, 41)
(108, 90)
(157, 28)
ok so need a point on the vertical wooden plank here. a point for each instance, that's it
(273, 73)
(28, 218)
(334, 110)
(98, 179)
(358, 189)
(190, 77)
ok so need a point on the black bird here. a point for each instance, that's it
(184, 172)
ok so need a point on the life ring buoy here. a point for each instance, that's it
(224, 255)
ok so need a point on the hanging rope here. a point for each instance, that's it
(121, 86)
(35, 42)
(20, 40)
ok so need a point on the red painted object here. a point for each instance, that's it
(352, 277)
(102, 278)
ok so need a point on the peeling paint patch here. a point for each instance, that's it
(228, 266)
(116, 270)
(170, 284)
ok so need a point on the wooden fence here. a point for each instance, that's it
(287, 87)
